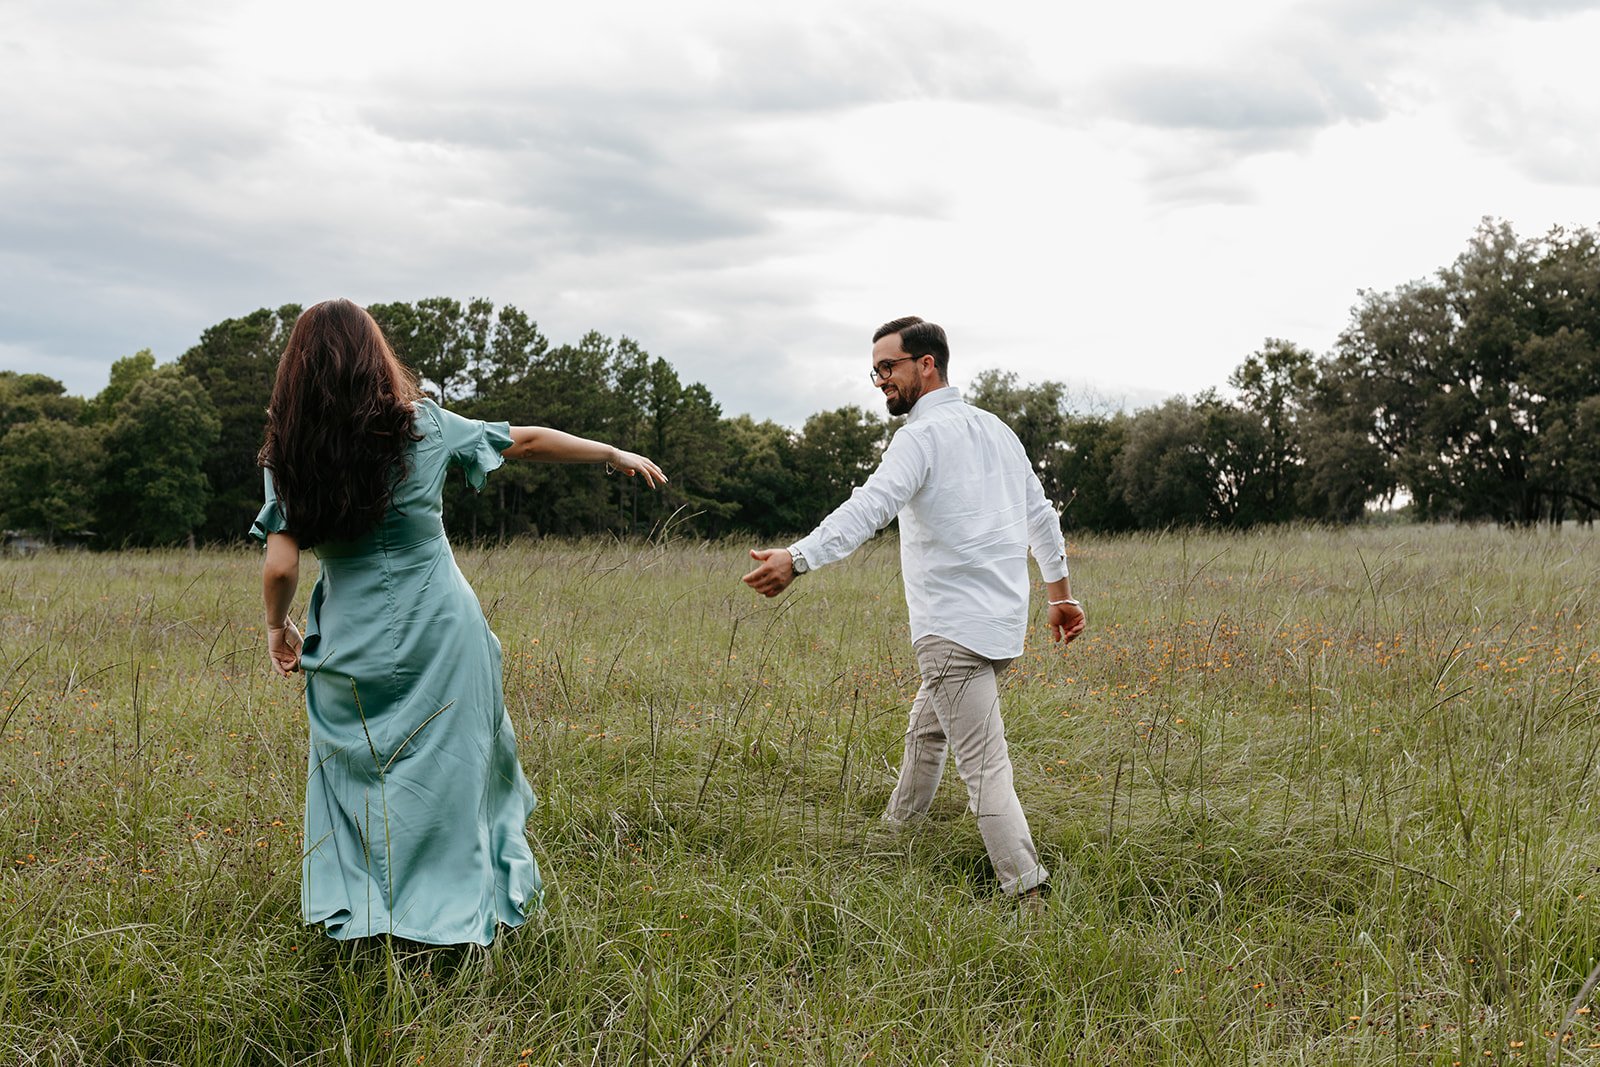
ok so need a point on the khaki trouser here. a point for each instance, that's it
(958, 707)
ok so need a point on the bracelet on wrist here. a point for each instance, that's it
(1059, 603)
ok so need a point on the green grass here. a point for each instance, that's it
(1310, 797)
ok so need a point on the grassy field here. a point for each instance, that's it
(1310, 797)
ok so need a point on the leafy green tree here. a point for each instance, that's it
(438, 338)
(759, 480)
(126, 373)
(475, 341)
(154, 490)
(1483, 423)
(26, 397)
(516, 346)
(1205, 462)
(1090, 496)
(836, 451)
(681, 433)
(49, 474)
(1239, 461)
(1343, 466)
(1275, 384)
(1560, 370)
(1474, 378)
(573, 388)
(236, 362)
(1583, 459)
(1161, 471)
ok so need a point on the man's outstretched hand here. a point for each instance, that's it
(774, 572)
(1066, 622)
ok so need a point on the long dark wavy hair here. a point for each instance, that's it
(339, 425)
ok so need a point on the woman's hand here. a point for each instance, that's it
(283, 647)
(631, 463)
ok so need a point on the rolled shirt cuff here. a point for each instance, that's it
(1054, 570)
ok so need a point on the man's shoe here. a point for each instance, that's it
(1033, 899)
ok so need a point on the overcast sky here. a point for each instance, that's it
(1128, 198)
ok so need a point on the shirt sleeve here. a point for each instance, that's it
(474, 445)
(901, 473)
(1044, 533)
(269, 520)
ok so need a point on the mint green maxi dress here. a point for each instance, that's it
(416, 804)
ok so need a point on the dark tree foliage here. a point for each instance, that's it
(1475, 392)
(1275, 385)
(439, 338)
(1086, 472)
(677, 426)
(1162, 473)
(600, 388)
(154, 491)
(835, 452)
(572, 388)
(50, 462)
(515, 346)
(235, 362)
(1477, 381)
(26, 397)
(126, 373)
(760, 479)
(49, 475)
(1344, 466)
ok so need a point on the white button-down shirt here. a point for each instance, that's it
(970, 507)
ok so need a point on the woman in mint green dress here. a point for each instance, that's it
(416, 805)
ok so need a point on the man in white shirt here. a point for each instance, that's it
(970, 507)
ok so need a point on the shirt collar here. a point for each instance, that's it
(945, 394)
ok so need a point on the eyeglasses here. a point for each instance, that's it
(884, 369)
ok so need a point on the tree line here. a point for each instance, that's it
(167, 454)
(1475, 393)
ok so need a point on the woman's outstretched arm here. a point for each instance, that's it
(280, 576)
(545, 445)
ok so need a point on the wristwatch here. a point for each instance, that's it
(800, 564)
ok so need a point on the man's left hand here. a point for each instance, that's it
(1066, 622)
(775, 572)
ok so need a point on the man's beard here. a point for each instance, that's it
(900, 403)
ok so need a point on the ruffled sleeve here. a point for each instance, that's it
(474, 445)
(269, 520)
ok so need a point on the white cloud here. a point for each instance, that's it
(1129, 199)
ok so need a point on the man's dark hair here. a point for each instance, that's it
(919, 338)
